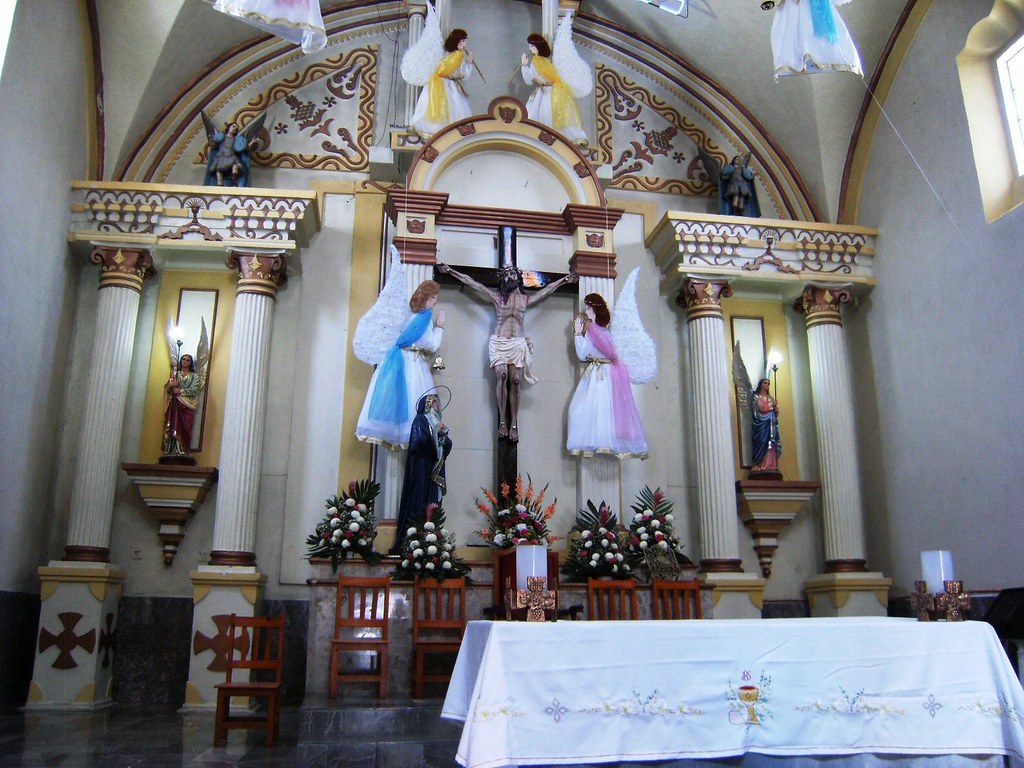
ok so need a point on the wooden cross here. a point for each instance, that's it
(536, 598)
(921, 601)
(954, 601)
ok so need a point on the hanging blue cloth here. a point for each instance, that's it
(823, 16)
(390, 401)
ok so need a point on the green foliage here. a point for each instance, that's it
(429, 549)
(349, 527)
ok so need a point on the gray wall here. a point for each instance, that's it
(42, 149)
(938, 355)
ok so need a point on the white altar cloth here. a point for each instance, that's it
(594, 692)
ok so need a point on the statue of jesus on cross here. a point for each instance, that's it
(509, 348)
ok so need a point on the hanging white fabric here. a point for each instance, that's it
(297, 21)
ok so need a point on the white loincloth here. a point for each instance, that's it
(517, 351)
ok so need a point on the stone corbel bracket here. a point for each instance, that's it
(766, 507)
(172, 494)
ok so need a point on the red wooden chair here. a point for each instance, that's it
(361, 629)
(438, 623)
(256, 645)
(675, 599)
(611, 600)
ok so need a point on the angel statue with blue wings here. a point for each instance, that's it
(228, 164)
(400, 339)
(441, 67)
(603, 417)
(559, 81)
(181, 395)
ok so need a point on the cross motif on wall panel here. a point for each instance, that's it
(67, 640)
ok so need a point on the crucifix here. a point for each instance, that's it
(921, 601)
(510, 350)
(536, 598)
(954, 601)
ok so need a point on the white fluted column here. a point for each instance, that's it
(92, 495)
(712, 424)
(234, 531)
(842, 507)
(417, 15)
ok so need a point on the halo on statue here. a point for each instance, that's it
(437, 390)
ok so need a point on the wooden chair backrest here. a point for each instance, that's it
(255, 643)
(613, 600)
(362, 602)
(675, 599)
(439, 607)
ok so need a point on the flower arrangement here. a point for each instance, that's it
(349, 527)
(595, 552)
(651, 526)
(516, 516)
(429, 550)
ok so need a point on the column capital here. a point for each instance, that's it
(702, 297)
(820, 304)
(259, 273)
(123, 267)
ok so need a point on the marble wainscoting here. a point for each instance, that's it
(20, 618)
(153, 651)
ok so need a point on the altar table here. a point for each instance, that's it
(594, 691)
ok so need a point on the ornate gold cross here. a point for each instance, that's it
(954, 601)
(922, 601)
(536, 598)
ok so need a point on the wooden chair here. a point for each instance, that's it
(438, 623)
(361, 628)
(675, 599)
(612, 600)
(256, 645)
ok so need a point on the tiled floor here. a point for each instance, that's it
(123, 736)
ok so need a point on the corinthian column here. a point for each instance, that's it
(80, 594)
(234, 532)
(842, 508)
(833, 418)
(92, 496)
(417, 14)
(712, 424)
(230, 583)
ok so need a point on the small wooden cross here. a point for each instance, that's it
(536, 598)
(954, 601)
(921, 601)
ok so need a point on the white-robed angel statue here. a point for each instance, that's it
(181, 393)
(400, 339)
(603, 417)
(809, 37)
(441, 67)
(559, 81)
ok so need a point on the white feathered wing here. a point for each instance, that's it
(573, 70)
(421, 58)
(635, 348)
(386, 319)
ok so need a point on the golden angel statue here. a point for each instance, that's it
(181, 395)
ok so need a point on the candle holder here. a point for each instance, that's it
(537, 599)
(948, 605)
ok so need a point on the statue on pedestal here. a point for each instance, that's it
(424, 483)
(400, 338)
(603, 417)
(440, 68)
(558, 81)
(228, 163)
(765, 443)
(181, 397)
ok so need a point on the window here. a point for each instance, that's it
(1010, 67)
(6, 20)
(991, 67)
